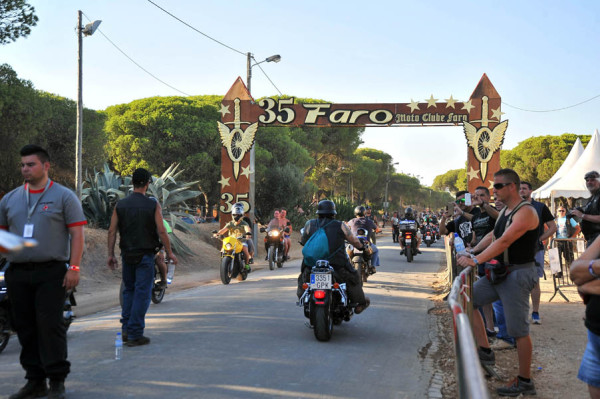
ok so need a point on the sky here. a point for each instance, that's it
(539, 55)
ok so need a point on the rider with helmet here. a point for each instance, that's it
(337, 233)
(409, 215)
(238, 229)
(361, 222)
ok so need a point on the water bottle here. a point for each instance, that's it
(170, 271)
(118, 346)
(459, 245)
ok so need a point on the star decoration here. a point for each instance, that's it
(413, 105)
(497, 114)
(468, 106)
(472, 173)
(450, 102)
(491, 186)
(431, 101)
(224, 182)
(246, 171)
(224, 110)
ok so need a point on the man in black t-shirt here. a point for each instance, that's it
(590, 213)
(484, 215)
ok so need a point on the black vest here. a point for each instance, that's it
(335, 237)
(137, 227)
(523, 249)
(589, 229)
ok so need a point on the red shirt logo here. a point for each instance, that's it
(45, 208)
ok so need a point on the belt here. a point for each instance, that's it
(521, 266)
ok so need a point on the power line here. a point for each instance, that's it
(191, 27)
(267, 76)
(138, 65)
(552, 110)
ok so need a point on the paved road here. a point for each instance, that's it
(249, 340)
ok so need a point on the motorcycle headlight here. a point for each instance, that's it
(273, 233)
(1, 276)
(228, 246)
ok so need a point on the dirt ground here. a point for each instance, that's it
(558, 345)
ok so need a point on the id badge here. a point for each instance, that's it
(28, 231)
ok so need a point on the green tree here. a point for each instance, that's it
(16, 19)
(454, 180)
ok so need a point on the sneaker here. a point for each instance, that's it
(138, 341)
(124, 337)
(535, 318)
(360, 308)
(517, 387)
(488, 359)
(57, 390)
(501, 344)
(33, 389)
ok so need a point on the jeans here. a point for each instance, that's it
(375, 256)
(501, 323)
(138, 281)
(37, 298)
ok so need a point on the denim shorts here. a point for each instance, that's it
(589, 371)
(539, 259)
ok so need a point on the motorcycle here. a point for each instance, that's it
(408, 237)
(158, 291)
(275, 242)
(325, 301)
(361, 259)
(6, 329)
(428, 237)
(232, 259)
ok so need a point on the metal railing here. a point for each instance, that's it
(471, 383)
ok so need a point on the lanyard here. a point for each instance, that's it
(31, 209)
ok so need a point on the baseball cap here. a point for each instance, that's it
(591, 175)
(140, 177)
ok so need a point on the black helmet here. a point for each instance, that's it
(359, 211)
(326, 207)
(408, 211)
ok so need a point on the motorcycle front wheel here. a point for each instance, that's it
(157, 294)
(271, 256)
(323, 324)
(226, 269)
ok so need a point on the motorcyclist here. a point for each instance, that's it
(369, 215)
(238, 229)
(337, 233)
(395, 227)
(273, 224)
(361, 222)
(408, 215)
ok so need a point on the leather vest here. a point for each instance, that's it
(137, 226)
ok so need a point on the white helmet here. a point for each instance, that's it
(237, 209)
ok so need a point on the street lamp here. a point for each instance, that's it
(86, 30)
(387, 182)
(252, 191)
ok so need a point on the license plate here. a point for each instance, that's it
(428, 238)
(320, 281)
(408, 240)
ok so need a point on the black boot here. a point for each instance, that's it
(57, 390)
(33, 389)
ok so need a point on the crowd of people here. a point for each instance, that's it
(505, 241)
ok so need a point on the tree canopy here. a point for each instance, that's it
(16, 19)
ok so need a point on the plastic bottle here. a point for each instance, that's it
(459, 245)
(170, 271)
(118, 346)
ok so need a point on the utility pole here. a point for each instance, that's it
(79, 138)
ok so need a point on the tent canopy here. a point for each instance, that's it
(569, 162)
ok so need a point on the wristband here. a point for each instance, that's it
(591, 270)
(475, 260)
(74, 267)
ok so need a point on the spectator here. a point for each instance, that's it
(517, 243)
(546, 218)
(567, 227)
(590, 213)
(460, 224)
(585, 273)
(287, 236)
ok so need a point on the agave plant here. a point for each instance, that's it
(100, 197)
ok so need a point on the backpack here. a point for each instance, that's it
(317, 247)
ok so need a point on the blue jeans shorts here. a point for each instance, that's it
(589, 371)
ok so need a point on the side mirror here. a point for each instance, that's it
(262, 229)
(214, 231)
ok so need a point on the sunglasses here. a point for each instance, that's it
(561, 210)
(458, 201)
(590, 178)
(500, 186)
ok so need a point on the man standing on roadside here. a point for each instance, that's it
(590, 213)
(140, 224)
(546, 218)
(460, 224)
(38, 278)
(517, 243)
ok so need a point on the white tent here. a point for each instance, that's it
(572, 184)
(569, 162)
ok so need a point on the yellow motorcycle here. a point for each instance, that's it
(232, 259)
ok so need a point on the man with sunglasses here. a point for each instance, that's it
(590, 213)
(567, 227)
(546, 219)
(517, 242)
(461, 224)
